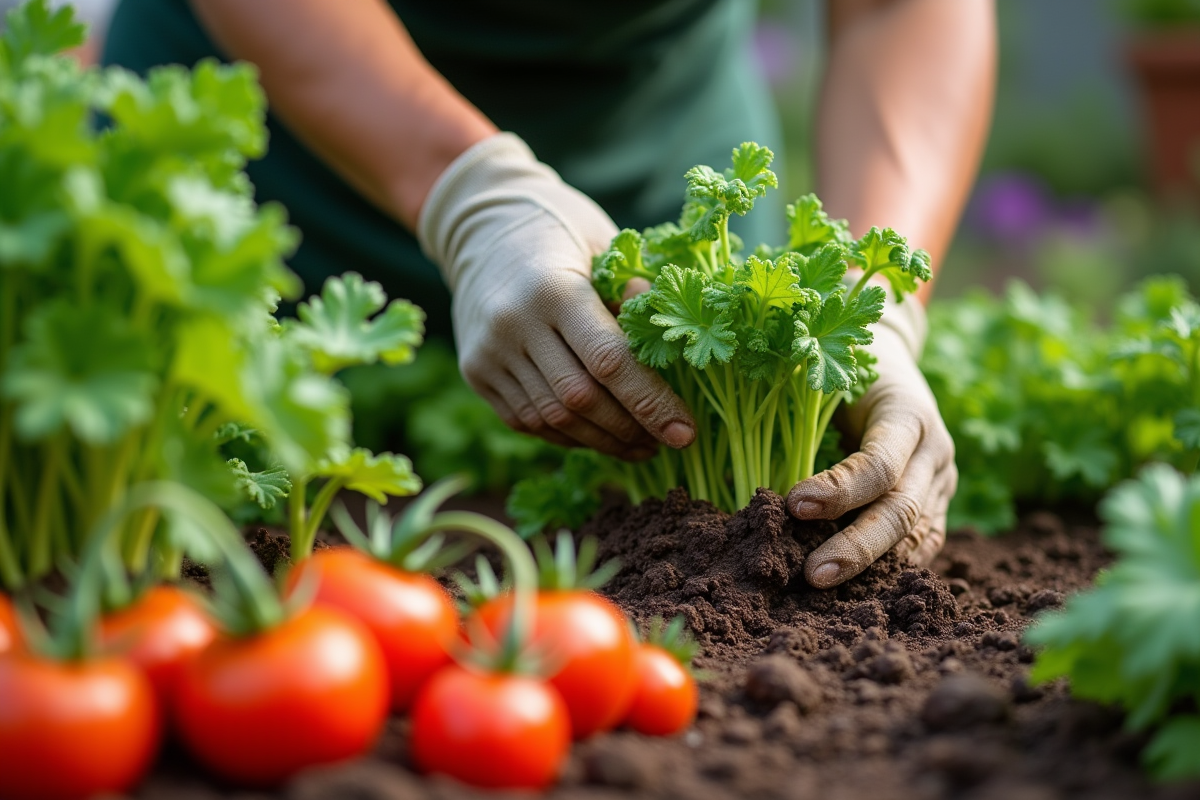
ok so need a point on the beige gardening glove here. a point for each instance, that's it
(903, 475)
(514, 243)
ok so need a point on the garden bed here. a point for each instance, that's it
(903, 683)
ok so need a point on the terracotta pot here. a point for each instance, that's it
(1167, 67)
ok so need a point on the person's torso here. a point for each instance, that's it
(620, 96)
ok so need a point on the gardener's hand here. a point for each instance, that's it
(904, 473)
(515, 245)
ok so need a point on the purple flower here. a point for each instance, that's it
(775, 51)
(1010, 206)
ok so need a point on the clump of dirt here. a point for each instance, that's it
(739, 578)
(904, 683)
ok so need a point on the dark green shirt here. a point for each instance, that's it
(620, 96)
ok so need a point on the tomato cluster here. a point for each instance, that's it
(316, 687)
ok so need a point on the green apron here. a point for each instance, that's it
(620, 96)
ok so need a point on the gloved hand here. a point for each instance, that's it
(904, 472)
(515, 243)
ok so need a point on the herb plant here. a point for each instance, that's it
(762, 346)
(1134, 639)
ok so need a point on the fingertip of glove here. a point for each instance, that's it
(678, 434)
(826, 575)
(806, 509)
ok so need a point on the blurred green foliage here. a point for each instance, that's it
(428, 410)
(1045, 405)
(1162, 13)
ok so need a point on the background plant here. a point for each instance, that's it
(1134, 639)
(137, 285)
(1045, 405)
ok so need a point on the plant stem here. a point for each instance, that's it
(143, 537)
(296, 511)
(726, 256)
(858, 286)
(316, 515)
(810, 440)
(40, 559)
(521, 567)
(10, 568)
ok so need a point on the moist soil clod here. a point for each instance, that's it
(902, 683)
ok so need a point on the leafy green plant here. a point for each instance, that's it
(1046, 406)
(138, 281)
(446, 427)
(1134, 639)
(762, 348)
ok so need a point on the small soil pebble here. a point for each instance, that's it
(1001, 640)
(621, 762)
(1042, 599)
(961, 701)
(360, 780)
(776, 679)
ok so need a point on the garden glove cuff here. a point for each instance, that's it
(902, 476)
(514, 243)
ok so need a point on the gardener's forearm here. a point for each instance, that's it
(904, 113)
(348, 81)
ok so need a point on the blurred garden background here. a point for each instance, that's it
(1065, 199)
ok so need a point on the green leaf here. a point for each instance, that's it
(715, 196)
(211, 118)
(613, 269)
(1088, 456)
(810, 228)
(34, 29)
(1172, 753)
(773, 283)
(822, 271)
(236, 432)
(646, 338)
(376, 476)
(31, 240)
(340, 328)
(669, 244)
(1187, 428)
(302, 415)
(85, 369)
(828, 336)
(751, 165)
(887, 252)
(264, 488)
(1134, 638)
(678, 297)
(564, 499)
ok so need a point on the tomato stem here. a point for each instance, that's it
(521, 567)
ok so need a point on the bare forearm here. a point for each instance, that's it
(347, 79)
(904, 112)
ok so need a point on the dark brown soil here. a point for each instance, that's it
(903, 683)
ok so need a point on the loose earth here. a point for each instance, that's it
(904, 683)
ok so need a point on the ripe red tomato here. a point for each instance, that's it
(410, 614)
(666, 697)
(491, 730)
(73, 729)
(9, 632)
(260, 708)
(161, 631)
(588, 636)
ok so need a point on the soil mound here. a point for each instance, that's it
(738, 579)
